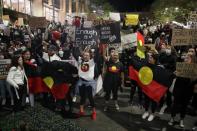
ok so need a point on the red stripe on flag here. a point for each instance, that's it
(36, 85)
(60, 91)
(154, 90)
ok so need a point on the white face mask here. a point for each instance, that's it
(168, 51)
(61, 53)
(1, 56)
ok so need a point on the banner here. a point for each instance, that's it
(114, 16)
(131, 19)
(109, 30)
(182, 37)
(4, 66)
(86, 36)
(38, 22)
(186, 70)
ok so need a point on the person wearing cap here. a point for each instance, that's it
(51, 54)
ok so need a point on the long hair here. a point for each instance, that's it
(15, 60)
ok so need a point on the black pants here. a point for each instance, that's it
(179, 106)
(86, 91)
(114, 91)
(22, 92)
(149, 102)
(133, 90)
(166, 99)
(194, 101)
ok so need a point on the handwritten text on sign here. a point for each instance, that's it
(86, 36)
(186, 70)
(184, 37)
(109, 30)
(4, 64)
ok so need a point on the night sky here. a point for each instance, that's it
(131, 5)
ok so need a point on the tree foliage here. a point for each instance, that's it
(168, 10)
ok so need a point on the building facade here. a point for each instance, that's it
(51, 9)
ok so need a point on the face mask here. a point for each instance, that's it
(1, 56)
(168, 51)
(61, 53)
(23, 48)
(10, 52)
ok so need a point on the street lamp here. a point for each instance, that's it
(94, 11)
(176, 9)
(166, 9)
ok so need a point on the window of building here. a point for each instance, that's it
(48, 12)
(23, 6)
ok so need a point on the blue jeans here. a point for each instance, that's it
(3, 87)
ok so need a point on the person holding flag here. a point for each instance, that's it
(149, 79)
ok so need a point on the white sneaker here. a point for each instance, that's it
(106, 108)
(151, 117)
(74, 99)
(3, 102)
(145, 115)
(162, 110)
(117, 107)
(171, 122)
(182, 124)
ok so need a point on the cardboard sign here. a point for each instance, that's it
(20, 21)
(193, 16)
(109, 30)
(182, 37)
(186, 70)
(86, 36)
(6, 17)
(129, 39)
(37, 22)
(4, 64)
(91, 17)
(114, 16)
(131, 19)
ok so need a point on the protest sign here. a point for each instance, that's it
(37, 22)
(193, 16)
(186, 70)
(86, 36)
(109, 30)
(182, 37)
(129, 40)
(88, 24)
(114, 16)
(131, 19)
(6, 17)
(20, 21)
(4, 64)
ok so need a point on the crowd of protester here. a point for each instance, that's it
(32, 47)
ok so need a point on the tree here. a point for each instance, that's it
(102, 5)
(168, 10)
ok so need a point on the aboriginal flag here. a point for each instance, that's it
(35, 81)
(140, 45)
(152, 79)
(56, 75)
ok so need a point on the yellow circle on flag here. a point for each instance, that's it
(113, 68)
(48, 81)
(145, 75)
(140, 42)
